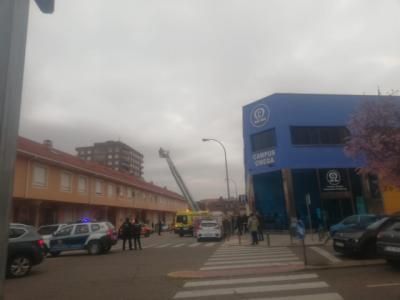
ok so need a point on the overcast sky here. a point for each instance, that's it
(167, 73)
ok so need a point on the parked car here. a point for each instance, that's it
(25, 249)
(209, 229)
(95, 237)
(388, 243)
(356, 241)
(354, 221)
(146, 230)
(46, 231)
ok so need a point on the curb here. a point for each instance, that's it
(269, 270)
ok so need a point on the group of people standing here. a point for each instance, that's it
(130, 230)
(253, 224)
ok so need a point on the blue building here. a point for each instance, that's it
(295, 161)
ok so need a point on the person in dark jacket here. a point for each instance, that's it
(126, 233)
(260, 227)
(137, 230)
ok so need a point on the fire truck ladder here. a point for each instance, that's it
(193, 205)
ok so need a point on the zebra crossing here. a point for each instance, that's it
(287, 286)
(163, 245)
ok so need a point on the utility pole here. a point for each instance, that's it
(13, 30)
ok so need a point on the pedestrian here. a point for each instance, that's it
(239, 224)
(226, 224)
(137, 231)
(245, 222)
(260, 227)
(126, 233)
(253, 228)
(159, 227)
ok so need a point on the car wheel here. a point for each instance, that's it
(393, 263)
(19, 266)
(107, 248)
(54, 253)
(94, 248)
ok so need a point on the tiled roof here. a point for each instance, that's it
(52, 155)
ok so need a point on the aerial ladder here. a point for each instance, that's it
(182, 186)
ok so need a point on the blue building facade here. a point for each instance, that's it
(294, 156)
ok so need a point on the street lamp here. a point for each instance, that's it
(226, 164)
(236, 190)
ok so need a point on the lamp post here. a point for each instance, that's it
(226, 164)
(236, 190)
(14, 25)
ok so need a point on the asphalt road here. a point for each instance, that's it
(143, 275)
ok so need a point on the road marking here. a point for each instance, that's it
(251, 252)
(323, 296)
(250, 255)
(261, 256)
(178, 245)
(247, 261)
(326, 254)
(164, 245)
(272, 264)
(209, 244)
(383, 285)
(194, 245)
(149, 246)
(251, 289)
(250, 280)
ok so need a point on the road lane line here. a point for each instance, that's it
(209, 244)
(260, 256)
(250, 280)
(247, 261)
(322, 296)
(326, 254)
(164, 245)
(178, 245)
(383, 285)
(251, 289)
(272, 264)
(251, 252)
(194, 245)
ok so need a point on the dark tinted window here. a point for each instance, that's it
(47, 229)
(319, 135)
(181, 219)
(96, 227)
(263, 140)
(65, 231)
(15, 232)
(81, 229)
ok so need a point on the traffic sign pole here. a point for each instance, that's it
(308, 204)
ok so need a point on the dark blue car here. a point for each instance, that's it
(354, 221)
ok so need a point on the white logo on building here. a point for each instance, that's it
(259, 115)
(333, 177)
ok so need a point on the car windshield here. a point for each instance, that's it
(208, 224)
(44, 230)
(378, 223)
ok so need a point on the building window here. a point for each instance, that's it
(89, 152)
(129, 192)
(110, 190)
(99, 187)
(82, 184)
(109, 156)
(39, 176)
(120, 191)
(66, 182)
(88, 158)
(319, 135)
(263, 140)
(109, 163)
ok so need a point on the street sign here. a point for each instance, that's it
(300, 230)
(308, 199)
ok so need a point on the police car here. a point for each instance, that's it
(95, 237)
